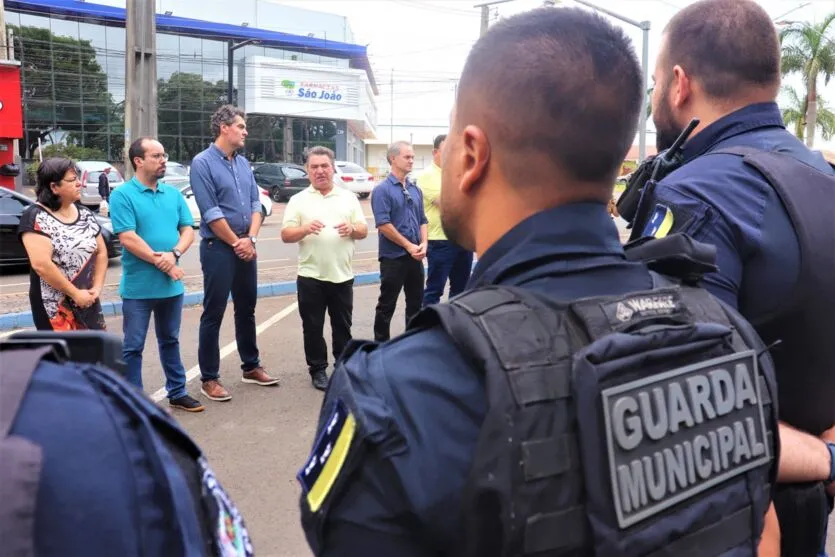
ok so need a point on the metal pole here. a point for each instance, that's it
(230, 67)
(140, 74)
(485, 19)
(642, 132)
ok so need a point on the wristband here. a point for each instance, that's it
(831, 478)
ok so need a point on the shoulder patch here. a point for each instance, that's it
(660, 223)
(324, 464)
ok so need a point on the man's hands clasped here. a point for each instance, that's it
(167, 263)
(417, 251)
(245, 249)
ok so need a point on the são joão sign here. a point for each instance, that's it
(313, 90)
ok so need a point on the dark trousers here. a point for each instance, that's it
(404, 273)
(225, 273)
(316, 296)
(447, 260)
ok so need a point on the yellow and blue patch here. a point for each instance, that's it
(660, 223)
(322, 468)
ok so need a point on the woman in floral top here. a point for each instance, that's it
(66, 252)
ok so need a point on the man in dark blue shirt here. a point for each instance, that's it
(526, 180)
(230, 212)
(720, 62)
(397, 204)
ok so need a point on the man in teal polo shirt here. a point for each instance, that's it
(155, 228)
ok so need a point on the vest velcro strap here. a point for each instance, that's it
(540, 384)
(478, 302)
(554, 531)
(542, 458)
(715, 539)
(765, 395)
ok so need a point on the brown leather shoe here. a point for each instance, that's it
(213, 390)
(259, 377)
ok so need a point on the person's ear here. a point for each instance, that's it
(681, 88)
(475, 152)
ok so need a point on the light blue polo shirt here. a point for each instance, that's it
(156, 217)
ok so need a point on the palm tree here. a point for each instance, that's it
(809, 51)
(793, 109)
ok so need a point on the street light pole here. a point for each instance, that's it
(485, 13)
(230, 65)
(645, 27)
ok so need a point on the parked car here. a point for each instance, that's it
(353, 177)
(266, 203)
(12, 252)
(176, 174)
(89, 172)
(281, 179)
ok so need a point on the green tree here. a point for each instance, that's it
(186, 102)
(63, 86)
(809, 50)
(793, 107)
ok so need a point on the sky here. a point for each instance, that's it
(423, 44)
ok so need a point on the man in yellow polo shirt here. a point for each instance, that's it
(446, 259)
(325, 221)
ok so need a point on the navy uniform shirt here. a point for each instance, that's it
(423, 404)
(718, 199)
(401, 205)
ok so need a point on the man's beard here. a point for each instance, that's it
(666, 130)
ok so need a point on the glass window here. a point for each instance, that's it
(168, 55)
(115, 63)
(191, 56)
(64, 28)
(117, 147)
(36, 21)
(292, 172)
(10, 205)
(67, 86)
(214, 62)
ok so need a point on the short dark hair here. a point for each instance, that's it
(224, 116)
(729, 46)
(51, 171)
(436, 144)
(562, 85)
(137, 149)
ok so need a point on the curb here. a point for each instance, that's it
(111, 309)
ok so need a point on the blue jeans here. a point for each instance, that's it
(168, 314)
(447, 260)
(225, 273)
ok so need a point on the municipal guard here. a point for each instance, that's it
(753, 190)
(570, 401)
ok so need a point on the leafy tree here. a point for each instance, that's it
(809, 50)
(63, 86)
(793, 114)
(186, 102)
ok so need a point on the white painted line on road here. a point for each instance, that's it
(232, 347)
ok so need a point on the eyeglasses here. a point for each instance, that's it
(72, 180)
(159, 156)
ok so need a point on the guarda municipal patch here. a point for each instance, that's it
(324, 464)
(677, 434)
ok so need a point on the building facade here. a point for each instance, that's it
(73, 79)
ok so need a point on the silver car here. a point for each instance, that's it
(176, 174)
(89, 172)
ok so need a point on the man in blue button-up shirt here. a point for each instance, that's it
(397, 204)
(230, 214)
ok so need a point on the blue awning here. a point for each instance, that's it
(109, 15)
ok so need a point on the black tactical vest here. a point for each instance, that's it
(636, 425)
(803, 324)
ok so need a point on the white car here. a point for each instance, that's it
(354, 178)
(191, 203)
(176, 174)
(89, 172)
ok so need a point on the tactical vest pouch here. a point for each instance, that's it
(636, 425)
(670, 421)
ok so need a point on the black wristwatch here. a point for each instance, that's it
(177, 254)
(831, 478)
